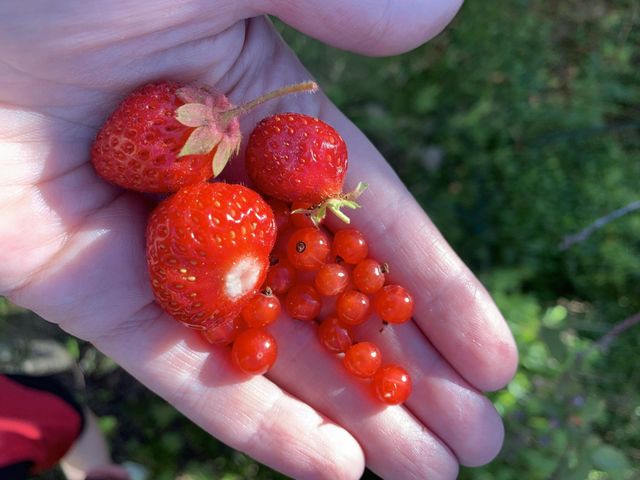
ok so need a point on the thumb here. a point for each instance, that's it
(374, 27)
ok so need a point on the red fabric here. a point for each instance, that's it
(35, 426)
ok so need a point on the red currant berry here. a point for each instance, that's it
(222, 333)
(363, 359)
(279, 250)
(281, 213)
(368, 276)
(308, 249)
(353, 307)
(301, 220)
(303, 302)
(332, 279)
(394, 304)
(333, 335)
(392, 384)
(254, 351)
(280, 276)
(261, 310)
(350, 245)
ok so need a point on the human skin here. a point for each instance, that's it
(72, 246)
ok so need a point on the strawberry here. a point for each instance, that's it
(208, 251)
(166, 135)
(298, 158)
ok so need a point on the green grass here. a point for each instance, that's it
(516, 127)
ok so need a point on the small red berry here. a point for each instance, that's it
(353, 307)
(308, 249)
(281, 213)
(301, 219)
(363, 359)
(333, 335)
(280, 276)
(392, 384)
(224, 333)
(280, 248)
(368, 276)
(331, 279)
(350, 245)
(303, 302)
(254, 351)
(394, 304)
(261, 310)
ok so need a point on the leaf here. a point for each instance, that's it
(426, 99)
(556, 347)
(554, 317)
(226, 149)
(193, 94)
(73, 348)
(541, 463)
(172, 442)
(193, 114)
(594, 409)
(163, 414)
(108, 424)
(201, 141)
(610, 459)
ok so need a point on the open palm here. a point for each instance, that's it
(72, 246)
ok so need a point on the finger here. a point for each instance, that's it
(250, 414)
(453, 410)
(375, 27)
(396, 444)
(441, 400)
(453, 309)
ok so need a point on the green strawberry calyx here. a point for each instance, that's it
(317, 213)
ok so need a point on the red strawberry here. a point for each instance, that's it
(208, 251)
(165, 135)
(298, 158)
(147, 146)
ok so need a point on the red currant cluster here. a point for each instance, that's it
(331, 282)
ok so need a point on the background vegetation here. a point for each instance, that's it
(516, 127)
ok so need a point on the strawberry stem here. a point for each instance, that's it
(308, 86)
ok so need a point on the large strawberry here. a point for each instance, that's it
(166, 135)
(298, 158)
(208, 251)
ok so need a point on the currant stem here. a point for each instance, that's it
(308, 86)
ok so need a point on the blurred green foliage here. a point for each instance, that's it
(517, 126)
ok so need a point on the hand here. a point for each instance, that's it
(72, 246)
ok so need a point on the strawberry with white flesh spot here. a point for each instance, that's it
(208, 251)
